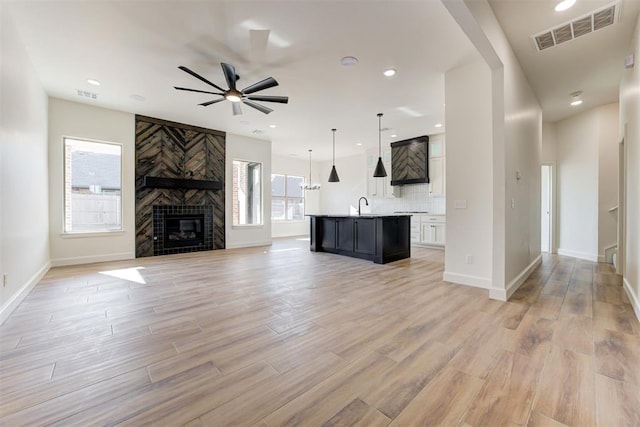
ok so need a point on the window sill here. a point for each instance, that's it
(82, 234)
(247, 227)
(289, 221)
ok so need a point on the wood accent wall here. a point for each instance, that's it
(175, 150)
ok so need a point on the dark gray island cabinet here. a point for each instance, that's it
(380, 238)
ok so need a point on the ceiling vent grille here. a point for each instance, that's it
(87, 94)
(580, 26)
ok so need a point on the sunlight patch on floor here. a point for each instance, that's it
(131, 274)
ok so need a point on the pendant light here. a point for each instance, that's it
(333, 176)
(379, 172)
(308, 185)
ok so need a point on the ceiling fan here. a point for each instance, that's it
(237, 96)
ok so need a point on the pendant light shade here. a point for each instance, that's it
(333, 176)
(380, 171)
(308, 185)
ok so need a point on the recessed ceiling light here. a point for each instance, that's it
(390, 72)
(393, 135)
(93, 82)
(564, 5)
(348, 61)
(576, 98)
(272, 126)
(359, 144)
(438, 125)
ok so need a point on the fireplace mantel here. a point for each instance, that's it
(180, 183)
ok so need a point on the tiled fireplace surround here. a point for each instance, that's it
(160, 214)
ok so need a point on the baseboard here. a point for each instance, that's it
(505, 294)
(90, 259)
(17, 298)
(632, 297)
(248, 244)
(468, 280)
(579, 255)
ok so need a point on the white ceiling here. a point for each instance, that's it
(592, 63)
(134, 48)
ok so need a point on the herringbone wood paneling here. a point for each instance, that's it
(173, 150)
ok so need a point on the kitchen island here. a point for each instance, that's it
(380, 238)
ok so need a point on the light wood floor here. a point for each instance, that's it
(280, 336)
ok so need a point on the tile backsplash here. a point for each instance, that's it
(414, 197)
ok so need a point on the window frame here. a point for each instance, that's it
(261, 224)
(286, 198)
(94, 233)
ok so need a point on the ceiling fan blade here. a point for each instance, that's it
(206, 104)
(261, 85)
(196, 90)
(230, 75)
(280, 99)
(258, 107)
(236, 108)
(199, 77)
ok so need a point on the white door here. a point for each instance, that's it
(545, 213)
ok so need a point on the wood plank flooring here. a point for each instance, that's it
(281, 336)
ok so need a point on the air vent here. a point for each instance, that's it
(257, 132)
(87, 94)
(580, 26)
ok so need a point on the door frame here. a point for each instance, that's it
(553, 248)
(622, 193)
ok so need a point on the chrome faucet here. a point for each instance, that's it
(366, 202)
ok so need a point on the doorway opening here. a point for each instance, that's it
(546, 209)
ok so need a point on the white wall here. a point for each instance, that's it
(24, 221)
(577, 152)
(608, 118)
(516, 120)
(338, 197)
(469, 174)
(548, 152)
(72, 119)
(587, 159)
(630, 131)
(250, 149)
(299, 167)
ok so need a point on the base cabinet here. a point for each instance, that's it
(381, 239)
(429, 230)
(364, 236)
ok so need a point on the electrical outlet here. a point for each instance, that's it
(469, 259)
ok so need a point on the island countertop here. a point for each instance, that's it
(381, 238)
(364, 215)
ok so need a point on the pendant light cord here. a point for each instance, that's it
(334, 146)
(379, 134)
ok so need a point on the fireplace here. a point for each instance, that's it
(182, 228)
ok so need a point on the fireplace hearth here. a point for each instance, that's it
(182, 228)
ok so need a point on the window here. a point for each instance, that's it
(287, 198)
(92, 186)
(247, 193)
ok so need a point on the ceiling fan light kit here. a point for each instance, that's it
(234, 95)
